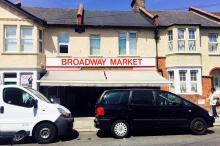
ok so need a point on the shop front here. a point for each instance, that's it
(77, 83)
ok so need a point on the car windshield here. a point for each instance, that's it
(38, 94)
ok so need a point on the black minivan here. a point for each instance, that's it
(123, 110)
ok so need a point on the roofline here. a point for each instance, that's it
(204, 13)
(99, 26)
(10, 4)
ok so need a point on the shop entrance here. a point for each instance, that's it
(81, 100)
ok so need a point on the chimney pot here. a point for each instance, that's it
(17, 4)
(136, 4)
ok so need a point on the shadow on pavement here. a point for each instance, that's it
(30, 140)
(107, 134)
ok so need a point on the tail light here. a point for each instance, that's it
(100, 111)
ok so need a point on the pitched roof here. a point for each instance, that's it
(168, 18)
(91, 18)
(13, 6)
(216, 13)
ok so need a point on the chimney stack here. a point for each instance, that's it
(17, 4)
(135, 4)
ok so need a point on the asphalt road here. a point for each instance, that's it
(147, 138)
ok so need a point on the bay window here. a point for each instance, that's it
(170, 41)
(41, 47)
(181, 40)
(192, 40)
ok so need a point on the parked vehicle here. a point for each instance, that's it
(24, 108)
(137, 109)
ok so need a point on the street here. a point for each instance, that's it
(160, 137)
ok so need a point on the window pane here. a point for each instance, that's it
(193, 75)
(181, 45)
(11, 31)
(27, 45)
(168, 99)
(95, 46)
(170, 44)
(133, 47)
(63, 48)
(133, 35)
(40, 34)
(116, 97)
(171, 75)
(183, 87)
(40, 47)
(11, 45)
(182, 76)
(10, 83)
(191, 34)
(27, 32)
(213, 47)
(63, 38)
(121, 35)
(216, 81)
(180, 34)
(192, 45)
(212, 37)
(122, 47)
(10, 75)
(194, 87)
(143, 98)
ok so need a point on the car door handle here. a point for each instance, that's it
(2, 109)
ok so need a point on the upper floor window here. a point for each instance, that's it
(192, 40)
(10, 39)
(181, 40)
(170, 41)
(63, 43)
(41, 47)
(213, 43)
(27, 39)
(95, 45)
(127, 43)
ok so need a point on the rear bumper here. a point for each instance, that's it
(102, 123)
(64, 125)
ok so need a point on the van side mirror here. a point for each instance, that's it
(35, 103)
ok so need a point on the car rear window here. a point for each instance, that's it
(116, 97)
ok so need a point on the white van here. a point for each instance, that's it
(24, 108)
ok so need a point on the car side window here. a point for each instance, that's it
(116, 97)
(142, 98)
(188, 104)
(17, 97)
(168, 99)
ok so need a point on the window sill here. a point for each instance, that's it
(64, 55)
(95, 56)
(214, 54)
(129, 56)
(20, 53)
(182, 53)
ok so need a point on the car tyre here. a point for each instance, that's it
(198, 126)
(45, 133)
(120, 129)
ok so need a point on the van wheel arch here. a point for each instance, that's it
(43, 122)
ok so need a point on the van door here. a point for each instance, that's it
(173, 112)
(19, 113)
(143, 110)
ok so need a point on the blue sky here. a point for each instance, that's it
(124, 5)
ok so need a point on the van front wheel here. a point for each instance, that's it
(45, 133)
(120, 129)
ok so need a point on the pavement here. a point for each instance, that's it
(86, 124)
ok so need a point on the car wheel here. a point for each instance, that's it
(45, 133)
(198, 126)
(120, 129)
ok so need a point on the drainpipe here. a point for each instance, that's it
(156, 37)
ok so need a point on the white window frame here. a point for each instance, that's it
(170, 40)
(95, 39)
(192, 81)
(213, 42)
(59, 44)
(183, 82)
(11, 38)
(172, 79)
(31, 38)
(128, 40)
(192, 39)
(181, 39)
(41, 50)
(188, 81)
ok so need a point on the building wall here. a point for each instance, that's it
(79, 44)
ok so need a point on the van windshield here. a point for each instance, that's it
(38, 94)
